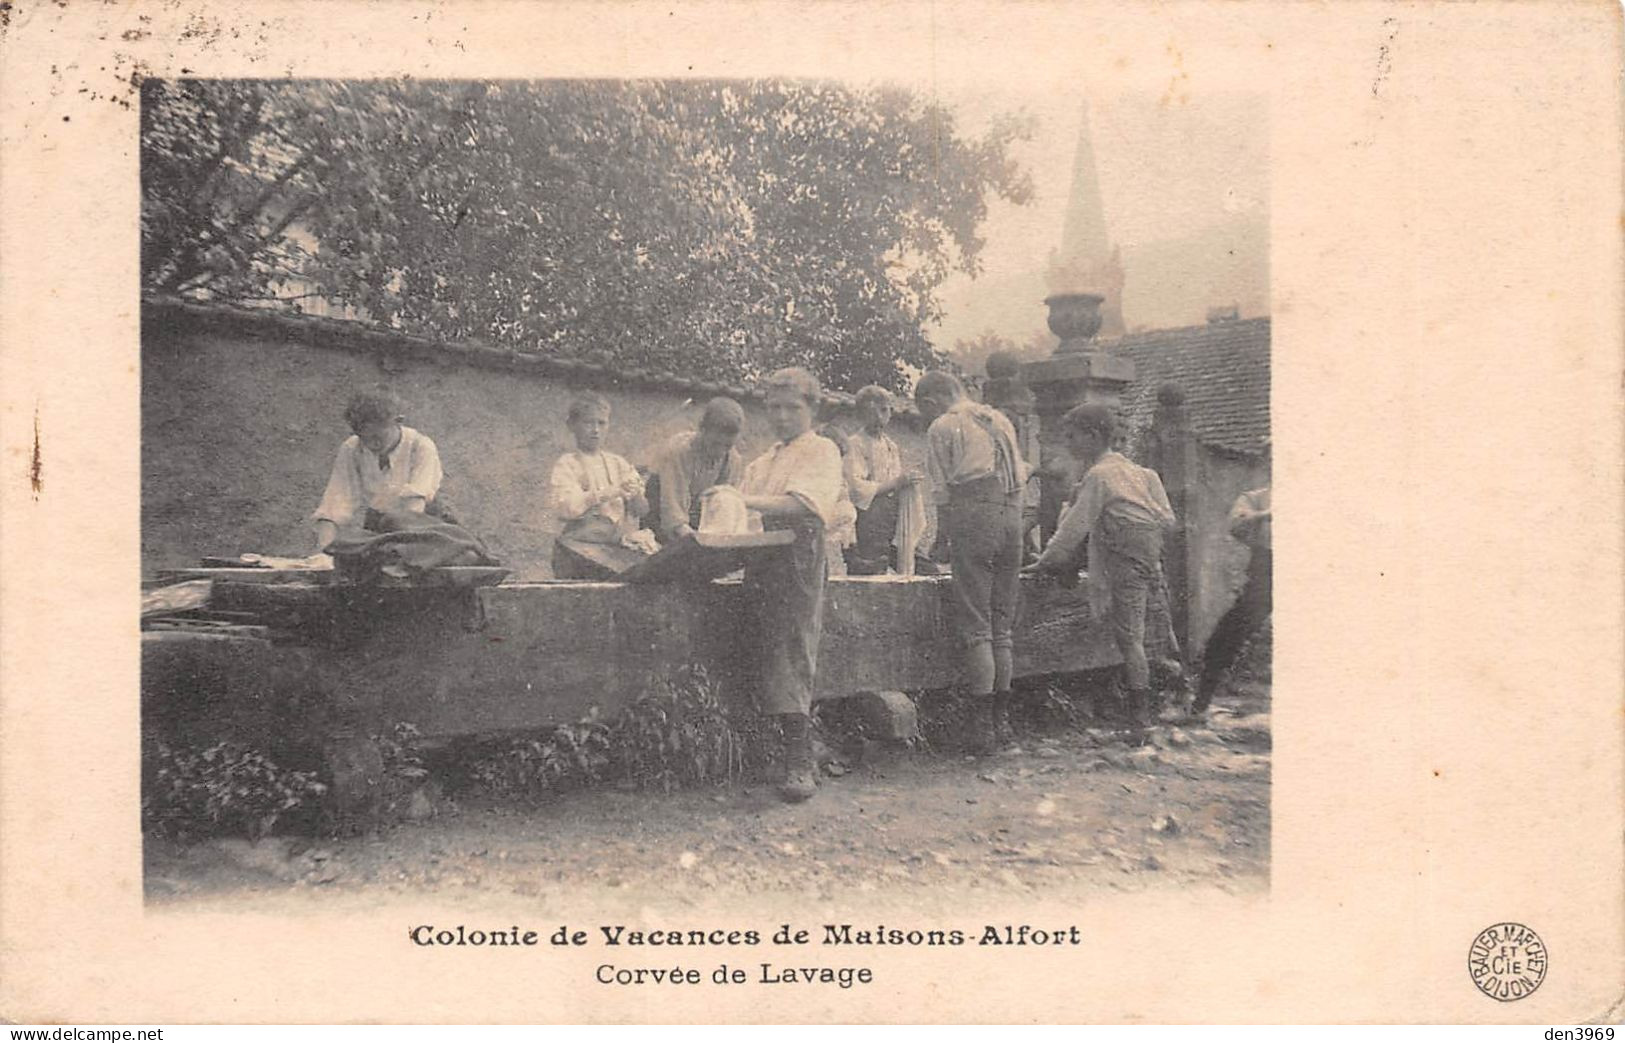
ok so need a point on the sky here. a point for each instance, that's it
(1185, 187)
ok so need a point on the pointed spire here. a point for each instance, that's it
(1083, 238)
(1087, 260)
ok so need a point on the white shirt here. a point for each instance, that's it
(1245, 523)
(807, 467)
(960, 448)
(871, 461)
(843, 527)
(363, 479)
(577, 480)
(1114, 485)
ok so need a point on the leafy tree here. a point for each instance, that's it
(971, 355)
(233, 172)
(716, 228)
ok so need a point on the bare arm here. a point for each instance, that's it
(340, 501)
(1245, 516)
(1076, 523)
(783, 505)
(632, 489)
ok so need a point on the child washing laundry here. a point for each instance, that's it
(600, 498)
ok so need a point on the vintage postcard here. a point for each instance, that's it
(763, 512)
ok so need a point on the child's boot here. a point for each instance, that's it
(979, 734)
(800, 771)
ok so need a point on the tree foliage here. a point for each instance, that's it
(971, 355)
(717, 228)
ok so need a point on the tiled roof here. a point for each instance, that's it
(1222, 367)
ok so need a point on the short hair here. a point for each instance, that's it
(585, 402)
(796, 379)
(1003, 365)
(1007, 393)
(940, 384)
(1091, 417)
(366, 408)
(872, 393)
(723, 414)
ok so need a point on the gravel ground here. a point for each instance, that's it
(1072, 814)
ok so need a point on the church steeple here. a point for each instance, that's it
(1084, 234)
(1086, 260)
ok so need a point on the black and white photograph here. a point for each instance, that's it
(747, 512)
(744, 486)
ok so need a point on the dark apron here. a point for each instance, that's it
(871, 554)
(374, 520)
(590, 549)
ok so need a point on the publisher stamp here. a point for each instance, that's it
(1507, 961)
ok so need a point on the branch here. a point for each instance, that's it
(278, 297)
(190, 271)
(231, 139)
(193, 282)
(294, 213)
(269, 193)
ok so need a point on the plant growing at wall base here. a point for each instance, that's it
(677, 733)
(405, 774)
(558, 760)
(227, 788)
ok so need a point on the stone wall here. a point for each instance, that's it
(1218, 562)
(1206, 566)
(242, 412)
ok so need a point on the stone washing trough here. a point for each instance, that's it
(310, 663)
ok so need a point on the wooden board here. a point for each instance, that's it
(212, 562)
(445, 576)
(176, 597)
(207, 627)
(249, 574)
(702, 556)
(453, 576)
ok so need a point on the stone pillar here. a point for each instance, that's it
(1171, 451)
(1005, 392)
(1078, 372)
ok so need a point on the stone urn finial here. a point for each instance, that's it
(1080, 371)
(1075, 318)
